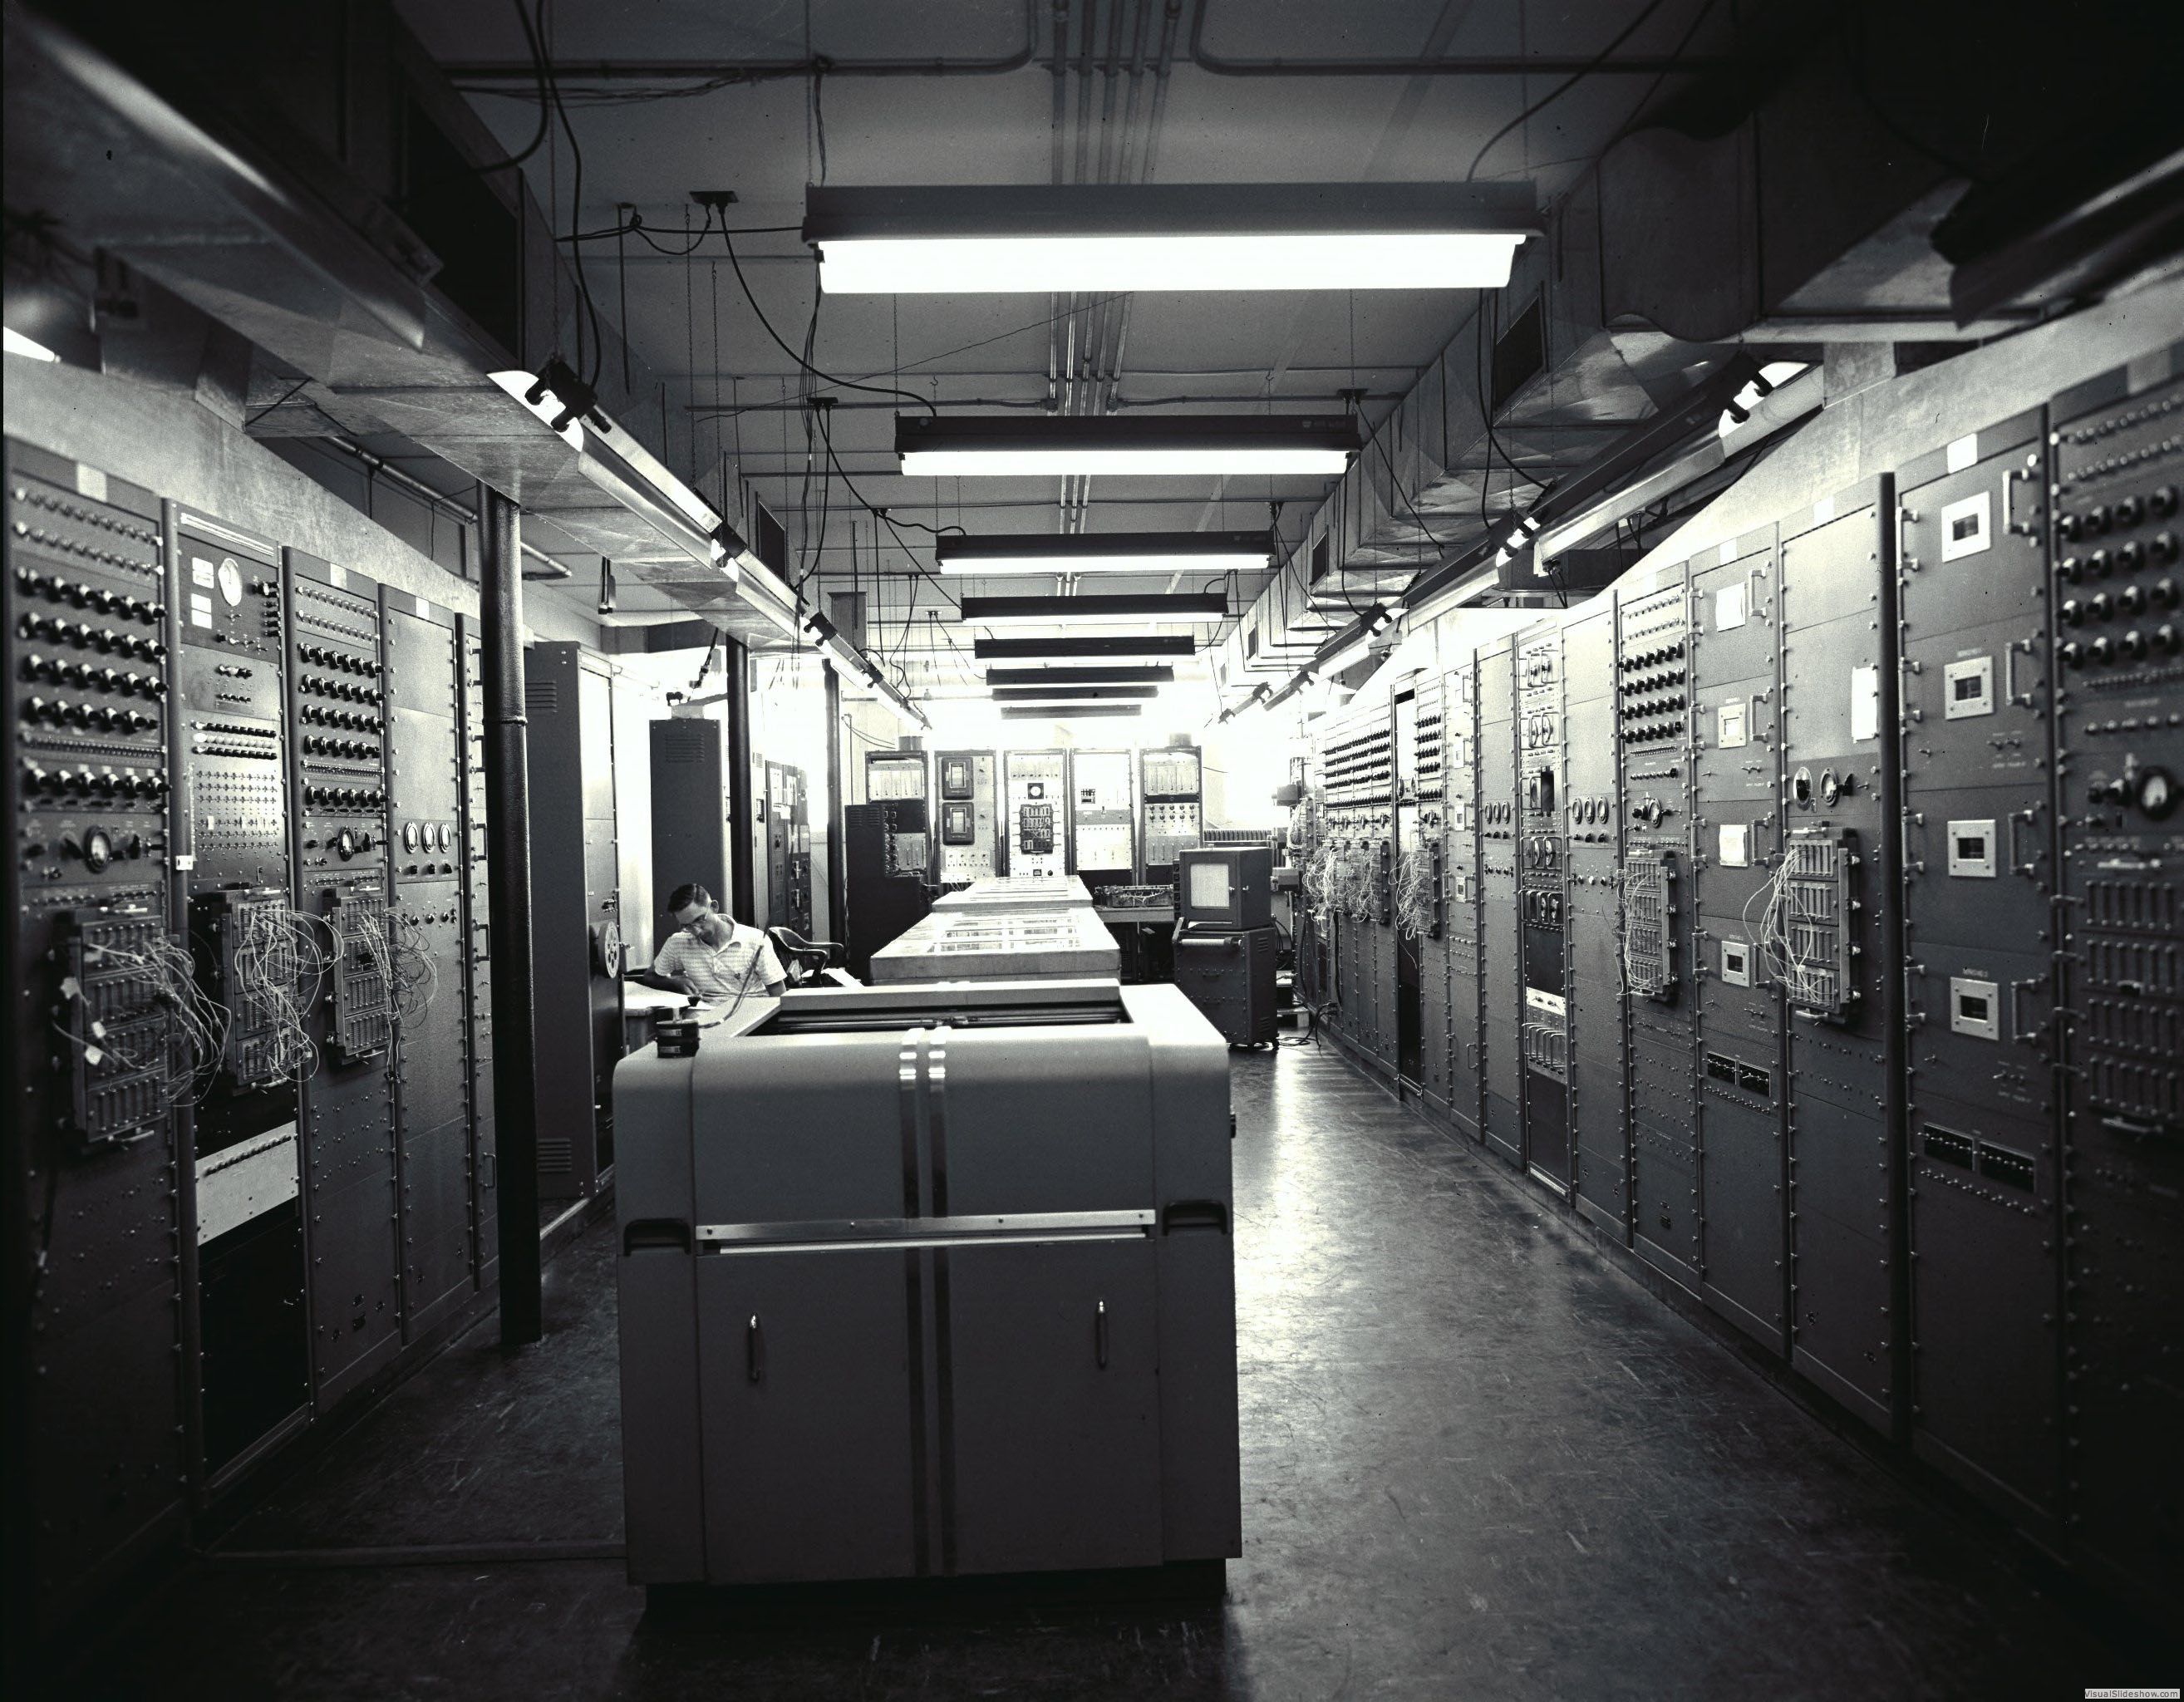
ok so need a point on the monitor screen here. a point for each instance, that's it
(1209, 886)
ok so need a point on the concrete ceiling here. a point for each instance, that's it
(646, 147)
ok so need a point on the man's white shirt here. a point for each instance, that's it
(745, 964)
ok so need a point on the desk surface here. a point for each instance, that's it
(636, 997)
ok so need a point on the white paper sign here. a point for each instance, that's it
(1728, 607)
(1864, 704)
(1736, 844)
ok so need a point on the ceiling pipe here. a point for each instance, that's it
(489, 71)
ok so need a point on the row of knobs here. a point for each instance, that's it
(36, 666)
(345, 797)
(35, 496)
(62, 544)
(2127, 511)
(104, 783)
(60, 711)
(339, 688)
(82, 596)
(2127, 557)
(2132, 646)
(1664, 653)
(2132, 599)
(355, 719)
(325, 657)
(85, 636)
(316, 745)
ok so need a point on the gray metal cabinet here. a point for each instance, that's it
(1055, 1443)
(806, 1372)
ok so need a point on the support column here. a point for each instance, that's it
(508, 870)
(838, 907)
(743, 896)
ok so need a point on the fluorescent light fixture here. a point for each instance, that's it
(520, 384)
(1020, 712)
(1038, 238)
(1134, 644)
(1771, 378)
(1144, 674)
(29, 348)
(1071, 694)
(1342, 658)
(1047, 445)
(1111, 610)
(1113, 552)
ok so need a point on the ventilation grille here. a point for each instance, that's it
(679, 741)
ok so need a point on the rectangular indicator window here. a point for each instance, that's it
(1947, 1147)
(1971, 849)
(1753, 1080)
(1967, 688)
(2011, 1169)
(1737, 963)
(1720, 1068)
(1974, 1008)
(1965, 527)
(1731, 722)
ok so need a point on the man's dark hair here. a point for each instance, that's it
(685, 895)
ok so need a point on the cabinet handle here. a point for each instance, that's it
(1099, 1333)
(755, 1349)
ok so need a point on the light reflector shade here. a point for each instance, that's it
(1131, 644)
(1073, 694)
(961, 239)
(1113, 552)
(1045, 446)
(1150, 673)
(1123, 609)
(1022, 711)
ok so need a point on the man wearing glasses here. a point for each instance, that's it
(712, 956)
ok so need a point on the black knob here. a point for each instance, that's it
(2102, 650)
(2097, 564)
(2073, 612)
(2163, 502)
(2130, 556)
(2097, 521)
(2132, 643)
(2070, 526)
(2167, 639)
(2107, 791)
(2072, 654)
(2129, 510)
(2162, 550)
(2132, 599)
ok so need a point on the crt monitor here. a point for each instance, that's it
(1226, 886)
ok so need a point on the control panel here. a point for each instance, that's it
(1035, 813)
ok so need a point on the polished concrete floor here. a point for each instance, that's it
(1478, 1462)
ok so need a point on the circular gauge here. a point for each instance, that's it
(231, 581)
(409, 836)
(2156, 792)
(98, 849)
(440, 835)
(345, 844)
